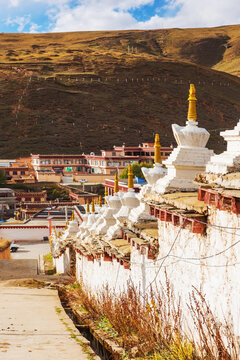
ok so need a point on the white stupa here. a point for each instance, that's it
(129, 201)
(114, 204)
(191, 155)
(89, 224)
(152, 175)
(229, 160)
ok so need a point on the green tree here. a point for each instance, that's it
(137, 170)
(2, 177)
(55, 194)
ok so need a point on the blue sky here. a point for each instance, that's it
(73, 15)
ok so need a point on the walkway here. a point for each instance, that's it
(34, 326)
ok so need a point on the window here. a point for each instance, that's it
(114, 163)
(147, 154)
(113, 153)
(22, 172)
(68, 161)
(128, 153)
(45, 162)
(14, 172)
(136, 153)
(152, 153)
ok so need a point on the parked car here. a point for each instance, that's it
(14, 247)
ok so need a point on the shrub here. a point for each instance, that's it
(137, 170)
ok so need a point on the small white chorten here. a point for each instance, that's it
(108, 216)
(229, 160)
(128, 201)
(152, 175)
(191, 155)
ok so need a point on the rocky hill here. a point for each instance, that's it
(83, 91)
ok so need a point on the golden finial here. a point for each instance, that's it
(106, 194)
(130, 177)
(88, 209)
(116, 187)
(93, 206)
(157, 154)
(100, 201)
(192, 109)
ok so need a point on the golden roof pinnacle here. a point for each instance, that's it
(116, 187)
(100, 201)
(157, 154)
(130, 177)
(192, 109)
(106, 194)
(93, 206)
(88, 209)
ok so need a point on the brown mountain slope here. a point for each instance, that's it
(76, 92)
(218, 47)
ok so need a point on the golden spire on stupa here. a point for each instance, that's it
(88, 209)
(106, 194)
(157, 153)
(116, 187)
(192, 109)
(130, 177)
(93, 206)
(100, 201)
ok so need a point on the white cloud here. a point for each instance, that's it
(20, 21)
(14, 3)
(34, 28)
(74, 15)
(113, 14)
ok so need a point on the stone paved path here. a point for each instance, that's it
(34, 326)
(17, 269)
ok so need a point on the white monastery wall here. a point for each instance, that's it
(24, 234)
(99, 273)
(62, 263)
(216, 276)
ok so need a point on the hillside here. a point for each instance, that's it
(80, 92)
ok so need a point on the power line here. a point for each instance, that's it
(161, 265)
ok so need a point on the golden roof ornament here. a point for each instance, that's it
(130, 177)
(88, 208)
(93, 207)
(192, 108)
(116, 187)
(157, 153)
(106, 194)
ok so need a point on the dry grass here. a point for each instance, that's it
(153, 328)
(212, 47)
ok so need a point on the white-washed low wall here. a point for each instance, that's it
(217, 276)
(192, 262)
(99, 273)
(25, 233)
(62, 263)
